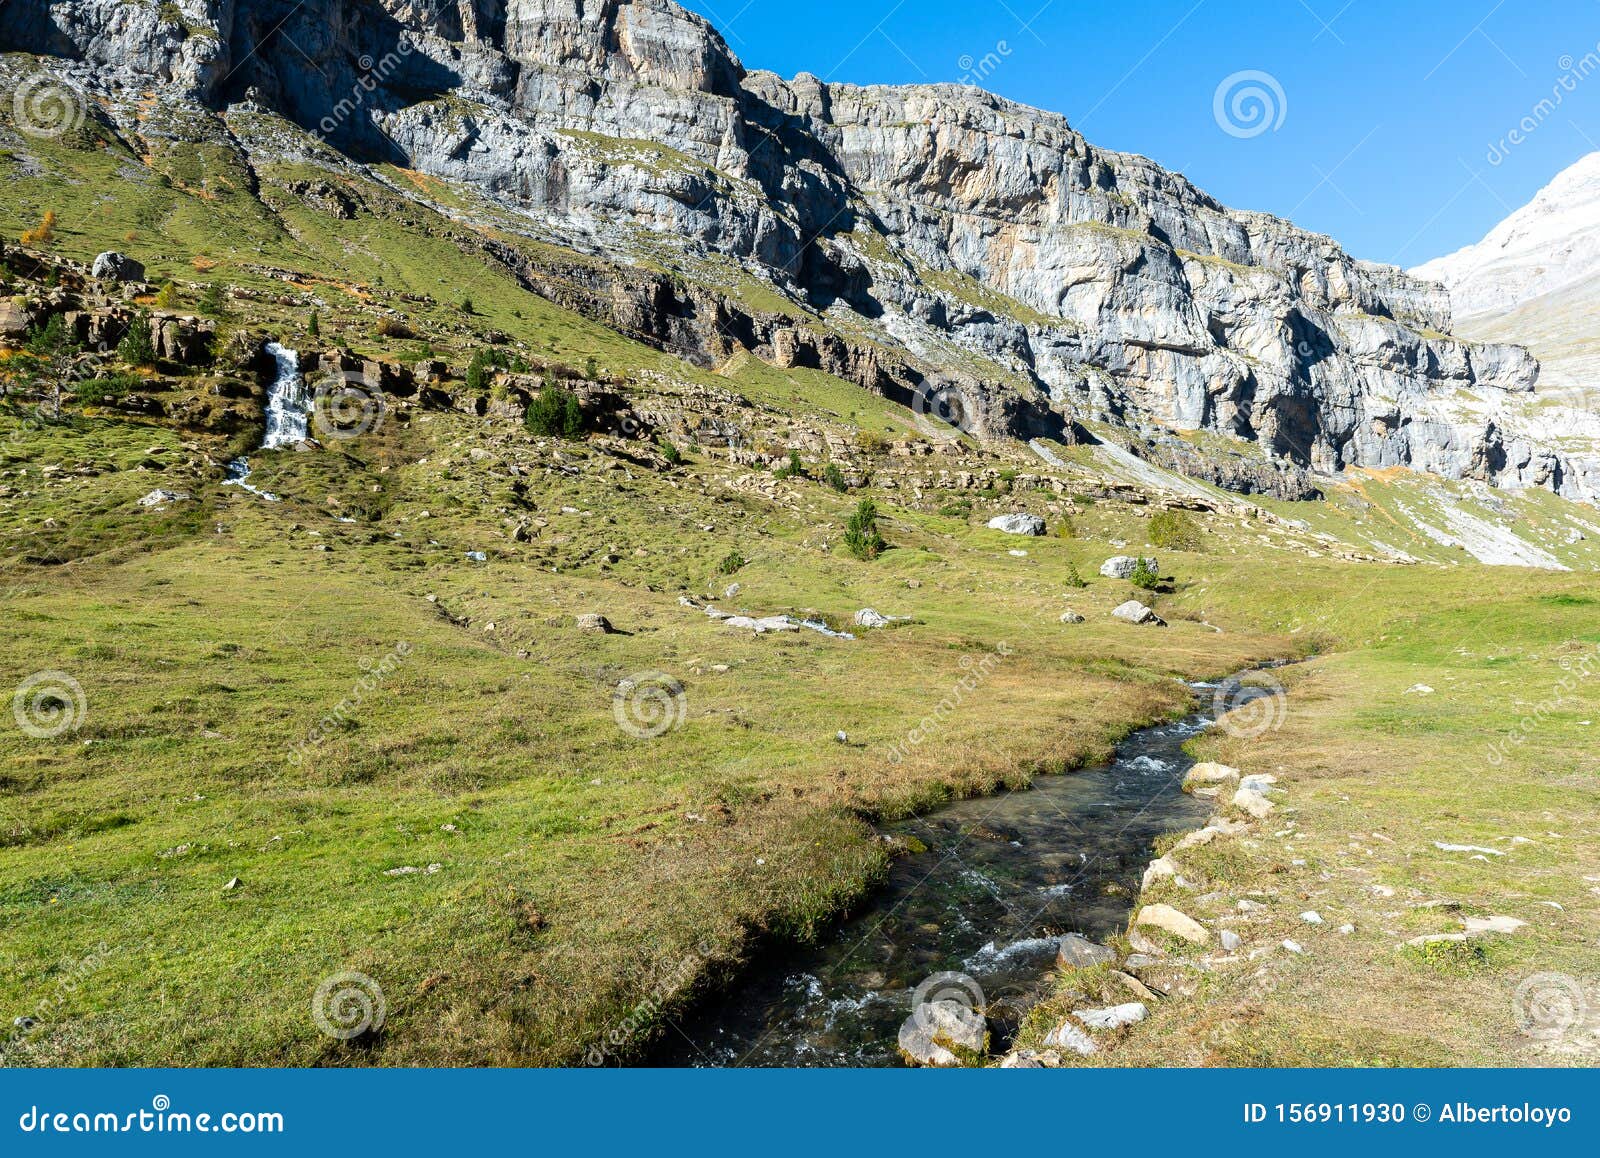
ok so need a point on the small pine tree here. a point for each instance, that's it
(136, 348)
(834, 477)
(1144, 576)
(554, 413)
(861, 536)
(214, 302)
(56, 350)
(466, 305)
(1074, 579)
(167, 299)
(671, 453)
(591, 369)
(792, 468)
(476, 373)
(313, 326)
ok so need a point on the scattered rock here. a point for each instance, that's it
(1138, 988)
(1135, 612)
(1346, 930)
(1069, 1036)
(1437, 939)
(867, 617)
(1466, 848)
(1418, 690)
(1167, 918)
(477, 557)
(1021, 1060)
(1254, 801)
(1071, 617)
(231, 885)
(1158, 869)
(161, 498)
(1112, 1017)
(1293, 947)
(1018, 524)
(1231, 940)
(595, 624)
(1143, 946)
(1479, 925)
(1311, 918)
(1209, 773)
(1078, 952)
(24, 1023)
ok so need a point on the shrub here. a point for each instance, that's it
(1066, 528)
(834, 477)
(1144, 576)
(731, 562)
(861, 537)
(466, 305)
(477, 372)
(44, 232)
(554, 413)
(50, 339)
(167, 299)
(960, 509)
(1074, 579)
(591, 369)
(671, 453)
(392, 328)
(871, 442)
(1174, 530)
(92, 390)
(136, 347)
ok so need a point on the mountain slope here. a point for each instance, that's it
(1550, 245)
(924, 242)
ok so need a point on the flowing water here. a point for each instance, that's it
(288, 416)
(1002, 878)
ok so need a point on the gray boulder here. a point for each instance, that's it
(1135, 612)
(1123, 566)
(1018, 524)
(114, 266)
(1078, 952)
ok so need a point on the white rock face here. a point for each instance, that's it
(1112, 1017)
(1549, 244)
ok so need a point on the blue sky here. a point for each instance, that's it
(1392, 133)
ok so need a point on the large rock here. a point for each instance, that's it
(1123, 566)
(1166, 918)
(114, 266)
(1018, 524)
(1078, 952)
(937, 1029)
(1112, 1017)
(1204, 778)
(1135, 612)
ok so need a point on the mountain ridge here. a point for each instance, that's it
(928, 240)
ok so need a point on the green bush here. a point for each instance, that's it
(671, 453)
(313, 326)
(861, 537)
(793, 468)
(1144, 576)
(93, 390)
(1175, 531)
(731, 563)
(1066, 528)
(834, 477)
(554, 413)
(1074, 579)
(214, 302)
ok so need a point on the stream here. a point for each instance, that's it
(1002, 878)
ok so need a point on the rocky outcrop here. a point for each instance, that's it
(955, 228)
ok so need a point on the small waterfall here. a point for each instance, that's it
(288, 412)
(288, 405)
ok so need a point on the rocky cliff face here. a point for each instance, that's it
(918, 230)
